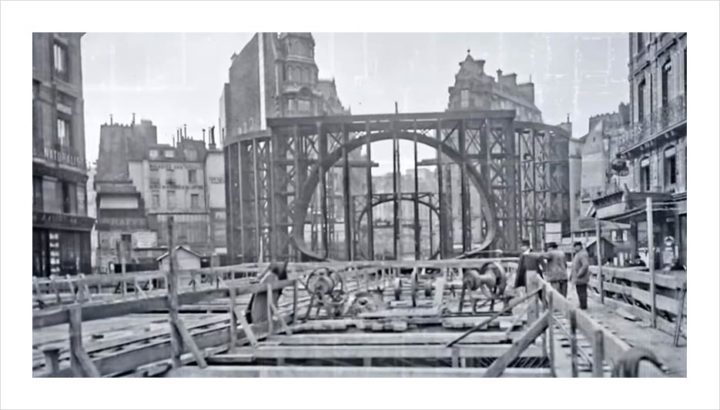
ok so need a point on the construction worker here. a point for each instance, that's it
(581, 273)
(556, 268)
(526, 276)
(257, 308)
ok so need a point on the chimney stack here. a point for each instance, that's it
(203, 130)
(499, 74)
(133, 119)
(211, 133)
(111, 120)
(185, 131)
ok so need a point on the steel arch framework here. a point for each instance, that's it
(514, 175)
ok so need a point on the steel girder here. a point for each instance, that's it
(286, 181)
(544, 179)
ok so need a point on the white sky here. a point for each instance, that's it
(176, 78)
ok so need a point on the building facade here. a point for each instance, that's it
(148, 182)
(125, 234)
(655, 147)
(61, 227)
(474, 89)
(600, 149)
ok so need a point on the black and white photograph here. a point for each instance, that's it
(418, 205)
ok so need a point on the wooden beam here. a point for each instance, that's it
(674, 281)
(157, 303)
(497, 368)
(664, 303)
(487, 321)
(613, 346)
(188, 341)
(335, 371)
(233, 321)
(247, 329)
(159, 351)
(359, 352)
(598, 356)
(427, 338)
(80, 362)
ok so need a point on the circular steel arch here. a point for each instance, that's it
(429, 204)
(305, 195)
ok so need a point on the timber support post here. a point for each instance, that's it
(651, 257)
(172, 298)
(598, 354)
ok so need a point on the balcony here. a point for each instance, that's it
(670, 116)
(64, 155)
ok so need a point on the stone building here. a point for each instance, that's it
(61, 227)
(656, 145)
(274, 75)
(601, 146)
(147, 182)
(476, 90)
(125, 234)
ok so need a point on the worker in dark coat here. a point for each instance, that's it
(529, 261)
(257, 308)
(556, 268)
(581, 273)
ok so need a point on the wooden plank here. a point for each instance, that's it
(573, 343)
(673, 281)
(336, 371)
(247, 329)
(189, 342)
(401, 312)
(157, 303)
(159, 351)
(439, 292)
(497, 368)
(613, 346)
(389, 339)
(662, 324)
(80, 362)
(597, 351)
(487, 321)
(664, 303)
(233, 321)
(359, 352)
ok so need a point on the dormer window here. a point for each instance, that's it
(153, 154)
(169, 154)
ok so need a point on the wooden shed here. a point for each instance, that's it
(185, 259)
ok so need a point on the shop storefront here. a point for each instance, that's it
(61, 244)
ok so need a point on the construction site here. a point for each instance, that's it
(300, 312)
(274, 257)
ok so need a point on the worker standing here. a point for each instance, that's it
(581, 273)
(556, 268)
(527, 272)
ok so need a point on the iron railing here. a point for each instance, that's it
(670, 115)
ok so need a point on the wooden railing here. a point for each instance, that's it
(630, 289)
